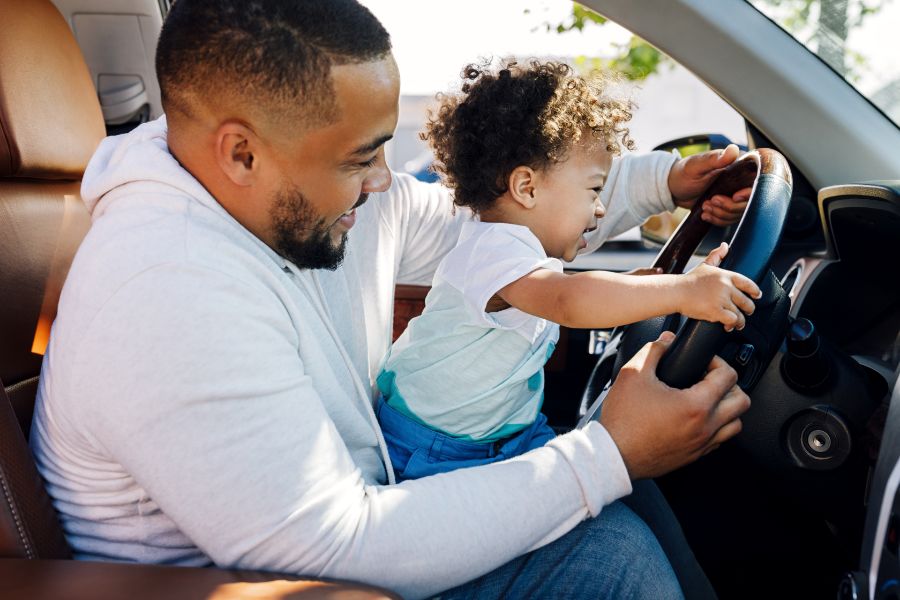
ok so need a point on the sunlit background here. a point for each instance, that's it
(434, 39)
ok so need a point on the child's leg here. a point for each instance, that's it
(533, 436)
(401, 438)
(418, 451)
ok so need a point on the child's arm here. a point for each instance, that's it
(599, 299)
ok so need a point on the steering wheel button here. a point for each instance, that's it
(744, 354)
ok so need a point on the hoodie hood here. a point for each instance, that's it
(139, 158)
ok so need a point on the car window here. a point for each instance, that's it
(672, 102)
(856, 38)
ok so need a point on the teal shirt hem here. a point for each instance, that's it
(392, 396)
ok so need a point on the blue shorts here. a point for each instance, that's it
(418, 451)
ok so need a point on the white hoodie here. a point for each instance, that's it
(204, 401)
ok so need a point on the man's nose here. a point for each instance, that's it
(379, 179)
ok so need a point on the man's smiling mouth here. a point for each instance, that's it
(362, 200)
(348, 219)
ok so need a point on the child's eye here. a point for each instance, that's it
(597, 189)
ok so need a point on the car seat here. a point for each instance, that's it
(50, 124)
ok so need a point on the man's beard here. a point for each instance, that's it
(301, 237)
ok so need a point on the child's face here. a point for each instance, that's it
(568, 199)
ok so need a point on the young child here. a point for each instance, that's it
(528, 149)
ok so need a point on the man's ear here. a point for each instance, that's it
(521, 186)
(236, 152)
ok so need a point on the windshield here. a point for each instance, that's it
(856, 38)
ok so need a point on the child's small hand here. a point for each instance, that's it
(716, 295)
(644, 271)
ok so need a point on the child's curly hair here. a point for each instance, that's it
(518, 115)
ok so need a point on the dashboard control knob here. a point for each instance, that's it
(805, 366)
(803, 339)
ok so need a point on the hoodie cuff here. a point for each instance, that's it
(661, 165)
(597, 463)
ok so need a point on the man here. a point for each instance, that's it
(207, 394)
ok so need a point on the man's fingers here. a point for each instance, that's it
(726, 432)
(705, 164)
(728, 414)
(733, 405)
(709, 449)
(718, 364)
(717, 161)
(649, 355)
(728, 155)
(720, 377)
(725, 419)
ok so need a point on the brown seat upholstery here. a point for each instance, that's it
(28, 525)
(54, 579)
(50, 124)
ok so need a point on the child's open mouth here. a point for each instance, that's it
(582, 243)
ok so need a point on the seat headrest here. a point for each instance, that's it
(50, 119)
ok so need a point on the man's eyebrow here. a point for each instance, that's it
(372, 146)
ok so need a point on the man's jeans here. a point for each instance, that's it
(613, 556)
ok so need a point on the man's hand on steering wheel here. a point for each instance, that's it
(658, 428)
(690, 176)
(687, 369)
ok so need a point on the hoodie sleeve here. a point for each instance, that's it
(425, 225)
(235, 445)
(636, 188)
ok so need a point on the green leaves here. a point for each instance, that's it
(827, 22)
(635, 60)
(639, 60)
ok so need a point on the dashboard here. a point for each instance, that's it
(852, 291)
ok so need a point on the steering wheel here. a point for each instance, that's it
(750, 250)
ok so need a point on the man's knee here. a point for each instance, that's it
(625, 530)
(614, 556)
(628, 557)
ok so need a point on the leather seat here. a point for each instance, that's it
(50, 124)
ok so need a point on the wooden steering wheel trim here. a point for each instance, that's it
(740, 174)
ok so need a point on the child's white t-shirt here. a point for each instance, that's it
(463, 371)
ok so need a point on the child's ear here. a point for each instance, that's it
(521, 186)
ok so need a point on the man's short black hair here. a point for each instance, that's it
(270, 56)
